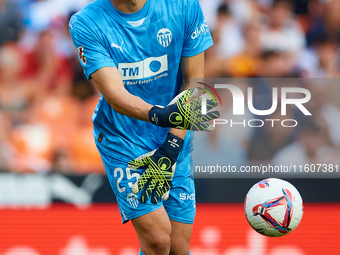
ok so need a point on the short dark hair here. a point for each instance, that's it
(267, 54)
(223, 9)
(310, 125)
(288, 3)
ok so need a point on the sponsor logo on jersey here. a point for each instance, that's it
(164, 37)
(185, 196)
(200, 30)
(81, 54)
(149, 67)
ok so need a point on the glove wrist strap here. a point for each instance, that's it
(160, 116)
(172, 145)
(154, 116)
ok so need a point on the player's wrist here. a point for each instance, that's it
(182, 114)
(155, 182)
(156, 116)
(181, 133)
(171, 147)
(168, 116)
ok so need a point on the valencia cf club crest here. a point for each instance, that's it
(81, 54)
(133, 200)
(164, 37)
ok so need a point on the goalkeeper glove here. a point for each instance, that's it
(182, 115)
(161, 164)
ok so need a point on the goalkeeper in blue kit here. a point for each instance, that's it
(141, 55)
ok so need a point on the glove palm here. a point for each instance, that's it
(160, 165)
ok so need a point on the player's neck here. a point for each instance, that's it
(128, 6)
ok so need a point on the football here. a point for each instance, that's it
(273, 207)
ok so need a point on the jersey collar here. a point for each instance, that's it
(114, 13)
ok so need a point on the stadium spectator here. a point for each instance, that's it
(325, 104)
(276, 64)
(332, 19)
(229, 39)
(267, 141)
(314, 22)
(309, 147)
(246, 63)
(280, 32)
(42, 14)
(47, 67)
(82, 150)
(13, 90)
(209, 8)
(7, 160)
(320, 61)
(11, 24)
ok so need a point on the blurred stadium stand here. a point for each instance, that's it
(46, 103)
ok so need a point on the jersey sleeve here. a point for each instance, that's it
(91, 52)
(197, 37)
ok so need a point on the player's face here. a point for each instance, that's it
(125, 1)
(128, 3)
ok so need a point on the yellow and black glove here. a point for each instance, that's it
(182, 114)
(160, 165)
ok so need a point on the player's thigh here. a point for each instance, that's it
(153, 230)
(181, 205)
(121, 179)
(180, 238)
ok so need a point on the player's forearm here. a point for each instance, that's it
(110, 85)
(192, 67)
(178, 132)
(127, 104)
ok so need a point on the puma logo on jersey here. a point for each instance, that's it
(71, 25)
(113, 45)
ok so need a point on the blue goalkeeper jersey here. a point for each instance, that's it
(147, 57)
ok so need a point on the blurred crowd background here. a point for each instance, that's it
(46, 102)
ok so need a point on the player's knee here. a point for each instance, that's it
(160, 244)
(179, 247)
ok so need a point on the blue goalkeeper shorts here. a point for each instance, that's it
(181, 204)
